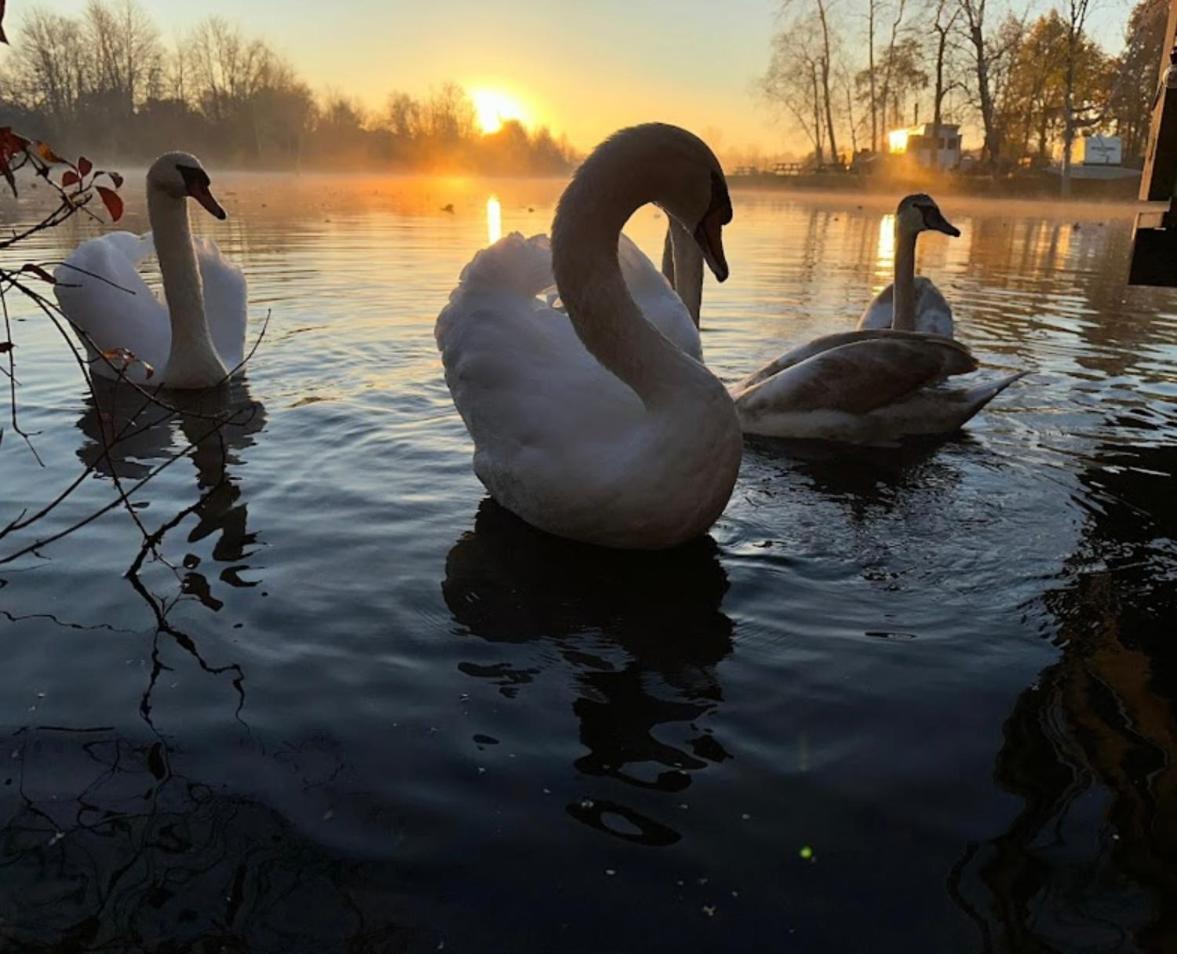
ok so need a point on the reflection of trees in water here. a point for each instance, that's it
(131, 439)
(642, 633)
(127, 436)
(1099, 726)
(141, 857)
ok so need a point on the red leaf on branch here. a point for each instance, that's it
(39, 272)
(116, 179)
(112, 201)
(5, 347)
(6, 172)
(10, 142)
(70, 178)
(84, 165)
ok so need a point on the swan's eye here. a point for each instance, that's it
(195, 179)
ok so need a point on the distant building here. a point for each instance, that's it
(1095, 157)
(931, 146)
(1098, 151)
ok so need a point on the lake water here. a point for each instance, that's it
(901, 700)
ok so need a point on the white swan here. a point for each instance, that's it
(910, 303)
(591, 425)
(194, 338)
(860, 387)
(654, 295)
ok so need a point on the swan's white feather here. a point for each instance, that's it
(558, 439)
(653, 294)
(933, 314)
(225, 302)
(103, 293)
(658, 301)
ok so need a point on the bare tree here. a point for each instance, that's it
(791, 85)
(942, 28)
(889, 58)
(1076, 12)
(983, 54)
(126, 52)
(825, 63)
(871, 10)
(50, 68)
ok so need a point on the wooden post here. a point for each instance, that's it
(1159, 180)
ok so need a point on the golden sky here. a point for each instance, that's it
(582, 67)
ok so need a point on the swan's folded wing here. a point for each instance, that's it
(880, 312)
(933, 314)
(101, 291)
(855, 377)
(529, 392)
(828, 342)
(225, 297)
(658, 301)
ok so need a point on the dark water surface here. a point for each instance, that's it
(908, 700)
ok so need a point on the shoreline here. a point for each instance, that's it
(1034, 188)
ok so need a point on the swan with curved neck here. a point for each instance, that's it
(869, 386)
(196, 335)
(910, 303)
(591, 424)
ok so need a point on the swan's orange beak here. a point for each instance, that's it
(196, 184)
(201, 194)
(709, 235)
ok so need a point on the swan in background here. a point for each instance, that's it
(196, 336)
(911, 303)
(864, 387)
(859, 387)
(591, 424)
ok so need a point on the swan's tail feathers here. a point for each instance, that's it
(977, 397)
(513, 263)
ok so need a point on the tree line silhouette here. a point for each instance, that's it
(106, 82)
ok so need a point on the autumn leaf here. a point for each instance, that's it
(3, 38)
(46, 153)
(10, 142)
(124, 358)
(84, 165)
(6, 172)
(116, 179)
(5, 347)
(70, 178)
(114, 204)
(39, 272)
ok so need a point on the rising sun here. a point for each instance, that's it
(493, 108)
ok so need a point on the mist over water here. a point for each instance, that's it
(907, 699)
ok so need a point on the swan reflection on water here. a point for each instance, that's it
(128, 437)
(641, 633)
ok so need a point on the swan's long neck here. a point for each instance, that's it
(904, 314)
(592, 211)
(193, 359)
(682, 264)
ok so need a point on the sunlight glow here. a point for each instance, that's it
(885, 256)
(494, 219)
(493, 108)
(897, 140)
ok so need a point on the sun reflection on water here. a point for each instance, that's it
(885, 255)
(494, 219)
